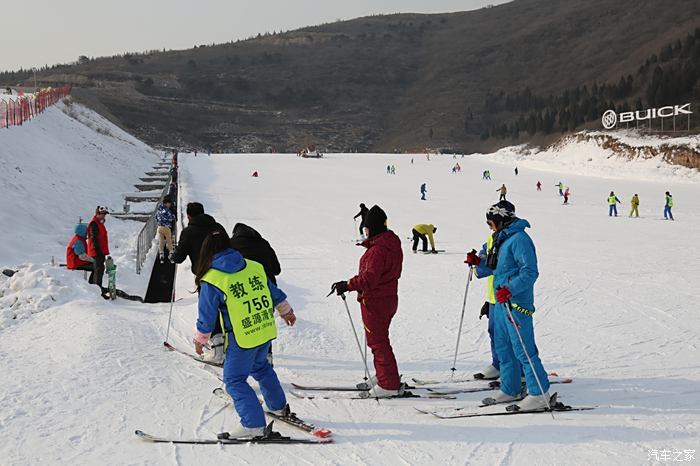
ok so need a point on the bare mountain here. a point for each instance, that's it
(403, 81)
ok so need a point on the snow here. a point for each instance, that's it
(615, 310)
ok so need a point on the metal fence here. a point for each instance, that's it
(19, 108)
(148, 232)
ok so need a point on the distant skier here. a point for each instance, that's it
(165, 219)
(635, 206)
(503, 190)
(377, 292)
(667, 207)
(227, 284)
(411, 160)
(539, 186)
(363, 216)
(77, 257)
(393, 170)
(514, 266)
(612, 202)
(566, 195)
(388, 169)
(98, 244)
(423, 192)
(424, 232)
(516, 171)
(560, 185)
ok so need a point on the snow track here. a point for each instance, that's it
(615, 309)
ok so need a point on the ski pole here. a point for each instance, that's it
(529, 361)
(355, 222)
(461, 320)
(359, 347)
(172, 301)
(366, 373)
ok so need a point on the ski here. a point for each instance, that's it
(196, 358)
(511, 409)
(493, 385)
(343, 388)
(224, 439)
(420, 382)
(288, 417)
(365, 395)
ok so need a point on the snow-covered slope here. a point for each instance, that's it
(56, 169)
(615, 310)
(604, 154)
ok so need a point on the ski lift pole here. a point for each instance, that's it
(359, 347)
(461, 321)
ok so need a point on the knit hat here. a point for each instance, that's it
(101, 210)
(503, 212)
(375, 221)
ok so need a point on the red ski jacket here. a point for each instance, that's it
(101, 239)
(380, 267)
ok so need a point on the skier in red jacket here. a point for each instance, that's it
(377, 292)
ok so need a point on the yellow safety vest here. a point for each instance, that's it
(249, 304)
(669, 200)
(611, 200)
(491, 294)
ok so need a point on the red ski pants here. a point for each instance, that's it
(376, 316)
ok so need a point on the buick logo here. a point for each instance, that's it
(609, 119)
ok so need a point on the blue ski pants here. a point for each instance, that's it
(511, 355)
(667, 213)
(613, 210)
(241, 363)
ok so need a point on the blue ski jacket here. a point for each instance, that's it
(517, 264)
(165, 216)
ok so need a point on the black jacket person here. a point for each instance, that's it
(192, 236)
(363, 216)
(253, 246)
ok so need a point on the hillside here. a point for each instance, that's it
(402, 82)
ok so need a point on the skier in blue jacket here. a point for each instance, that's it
(238, 292)
(513, 262)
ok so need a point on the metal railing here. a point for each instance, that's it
(148, 232)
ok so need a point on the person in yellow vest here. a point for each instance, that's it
(492, 372)
(424, 232)
(613, 201)
(635, 206)
(237, 292)
(667, 206)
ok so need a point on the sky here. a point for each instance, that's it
(70, 28)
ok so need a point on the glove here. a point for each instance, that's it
(472, 259)
(339, 287)
(503, 294)
(484, 310)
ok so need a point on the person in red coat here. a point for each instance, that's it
(98, 243)
(377, 292)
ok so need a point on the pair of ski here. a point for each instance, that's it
(421, 382)
(462, 412)
(287, 417)
(359, 392)
(224, 438)
(433, 392)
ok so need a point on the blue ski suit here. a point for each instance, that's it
(516, 268)
(241, 363)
